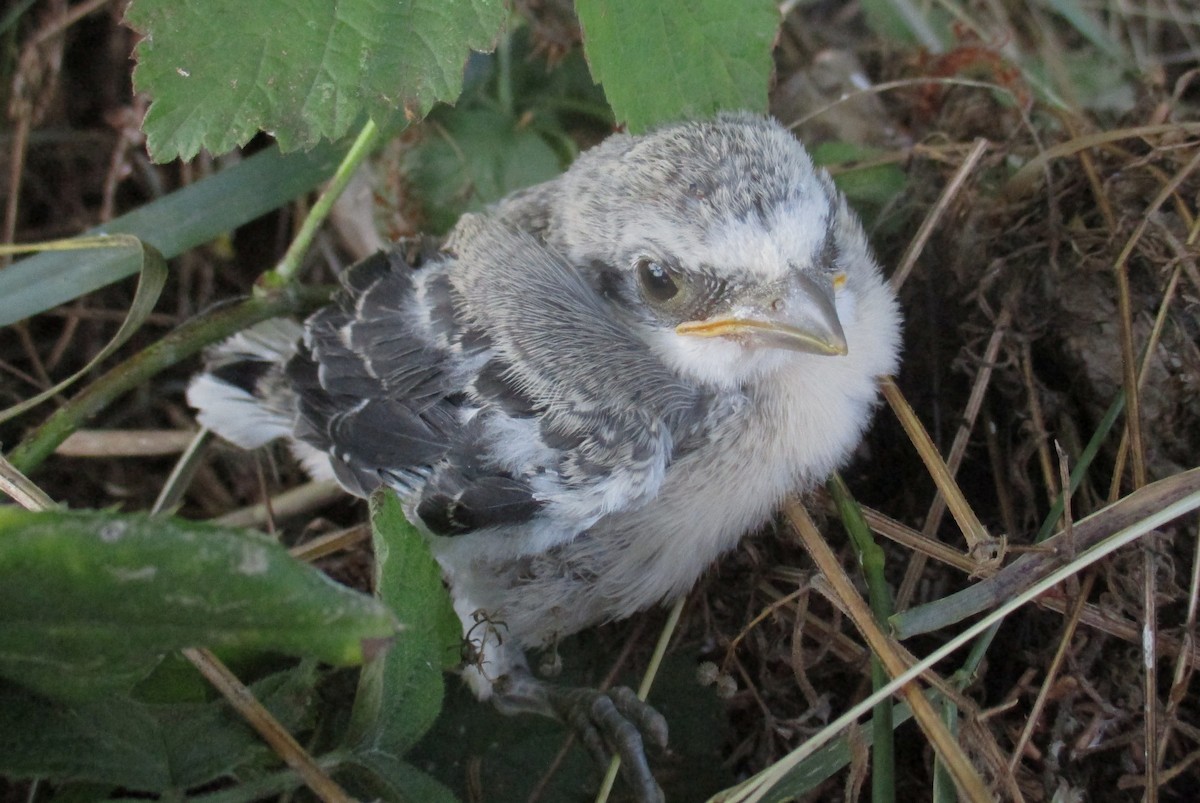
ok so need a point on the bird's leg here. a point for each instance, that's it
(607, 722)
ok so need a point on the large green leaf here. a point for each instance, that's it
(674, 59)
(87, 599)
(218, 71)
(400, 695)
(150, 747)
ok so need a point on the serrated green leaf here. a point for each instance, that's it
(173, 224)
(88, 600)
(149, 747)
(218, 71)
(399, 695)
(679, 59)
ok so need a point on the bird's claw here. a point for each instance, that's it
(607, 722)
(615, 721)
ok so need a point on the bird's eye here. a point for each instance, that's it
(657, 280)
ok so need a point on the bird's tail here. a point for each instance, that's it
(242, 394)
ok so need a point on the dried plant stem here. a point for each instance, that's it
(291, 502)
(1038, 421)
(1160, 321)
(917, 244)
(911, 539)
(330, 543)
(106, 443)
(1097, 618)
(972, 529)
(1060, 656)
(21, 489)
(1023, 179)
(1015, 578)
(1176, 501)
(1150, 673)
(1183, 667)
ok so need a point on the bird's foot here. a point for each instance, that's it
(607, 722)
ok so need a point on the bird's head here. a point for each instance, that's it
(727, 249)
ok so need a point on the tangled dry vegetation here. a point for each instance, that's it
(1048, 267)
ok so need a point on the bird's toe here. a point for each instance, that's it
(615, 722)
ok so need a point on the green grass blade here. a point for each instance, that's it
(172, 224)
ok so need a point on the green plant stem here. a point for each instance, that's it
(178, 345)
(871, 557)
(285, 272)
(504, 86)
(944, 790)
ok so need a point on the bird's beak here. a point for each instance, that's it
(797, 314)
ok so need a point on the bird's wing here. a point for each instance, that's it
(573, 407)
(375, 387)
(493, 388)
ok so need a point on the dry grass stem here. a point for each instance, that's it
(21, 489)
(104, 443)
(980, 544)
(933, 519)
(1052, 672)
(259, 718)
(293, 502)
(917, 244)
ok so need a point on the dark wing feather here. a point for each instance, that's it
(373, 388)
(381, 381)
(494, 388)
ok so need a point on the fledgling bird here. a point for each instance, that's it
(591, 390)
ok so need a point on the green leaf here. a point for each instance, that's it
(400, 694)
(153, 270)
(389, 778)
(873, 185)
(679, 59)
(220, 70)
(474, 158)
(88, 600)
(150, 747)
(173, 224)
